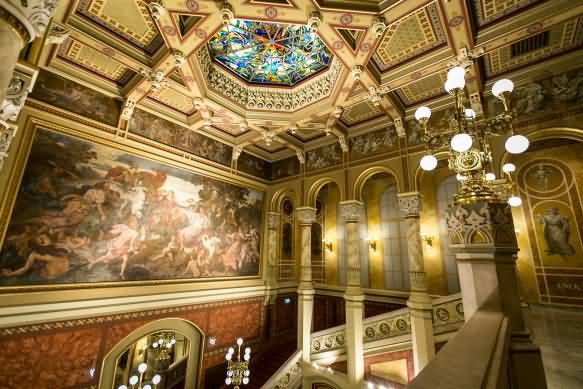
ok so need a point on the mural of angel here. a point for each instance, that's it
(556, 232)
(529, 99)
(566, 89)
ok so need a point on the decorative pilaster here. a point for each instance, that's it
(273, 220)
(128, 109)
(352, 212)
(481, 234)
(20, 84)
(306, 216)
(20, 22)
(419, 302)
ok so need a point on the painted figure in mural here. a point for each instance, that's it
(556, 232)
(566, 89)
(87, 213)
(530, 98)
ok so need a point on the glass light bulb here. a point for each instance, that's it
(134, 380)
(460, 177)
(501, 86)
(231, 350)
(173, 341)
(516, 144)
(456, 73)
(428, 162)
(155, 345)
(461, 142)
(228, 381)
(239, 341)
(160, 341)
(228, 357)
(246, 357)
(422, 113)
(247, 350)
(246, 373)
(370, 385)
(156, 379)
(142, 367)
(168, 345)
(449, 85)
(147, 386)
(229, 373)
(122, 387)
(515, 201)
(470, 113)
(490, 176)
(508, 167)
(245, 381)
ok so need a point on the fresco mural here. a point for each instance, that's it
(90, 213)
(76, 98)
(375, 142)
(164, 131)
(252, 165)
(324, 157)
(285, 168)
(552, 207)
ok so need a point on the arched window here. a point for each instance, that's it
(445, 192)
(286, 250)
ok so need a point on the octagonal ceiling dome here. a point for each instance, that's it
(269, 53)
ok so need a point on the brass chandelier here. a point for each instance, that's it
(470, 154)
(238, 370)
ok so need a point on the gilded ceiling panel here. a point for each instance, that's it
(94, 60)
(409, 37)
(129, 19)
(309, 132)
(486, 11)
(361, 112)
(174, 99)
(423, 89)
(559, 38)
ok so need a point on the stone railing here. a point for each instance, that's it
(387, 325)
(330, 339)
(448, 314)
(288, 376)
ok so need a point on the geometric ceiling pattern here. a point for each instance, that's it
(269, 53)
(267, 85)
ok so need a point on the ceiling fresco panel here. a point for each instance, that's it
(361, 112)
(487, 11)
(423, 89)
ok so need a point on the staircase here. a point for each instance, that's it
(265, 364)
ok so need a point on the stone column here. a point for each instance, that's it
(419, 302)
(351, 212)
(20, 22)
(273, 220)
(481, 234)
(306, 216)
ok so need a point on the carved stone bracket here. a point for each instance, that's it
(57, 34)
(306, 215)
(481, 225)
(410, 204)
(273, 219)
(351, 211)
(343, 143)
(399, 127)
(179, 58)
(128, 109)
(301, 156)
(237, 150)
(157, 9)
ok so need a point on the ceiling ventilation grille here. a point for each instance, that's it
(530, 44)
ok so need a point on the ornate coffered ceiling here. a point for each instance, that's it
(159, 56)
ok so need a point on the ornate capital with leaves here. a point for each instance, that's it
(306, 215)
(351, 211)
(410, 204)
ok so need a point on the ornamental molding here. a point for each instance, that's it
(57, 33)
(265, 98)
(410, 204)
(481, 224)
(306, 215)
(128, 109)
(34, 15)
(351, 211)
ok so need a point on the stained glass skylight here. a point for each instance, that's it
(269, 53)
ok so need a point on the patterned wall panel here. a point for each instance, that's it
(487, 11)
(361, 112)
(61, 354)
(174, 99)
(409, 37)
(423, 89)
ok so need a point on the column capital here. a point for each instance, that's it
(306, 215)
(481, 226)
(410, 203)
(273, 219)
(351, 211)
(29, 18)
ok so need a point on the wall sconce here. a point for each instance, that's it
(327, 244)
(427, 239)
(372, 244)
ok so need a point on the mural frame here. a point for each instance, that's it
(29, 124)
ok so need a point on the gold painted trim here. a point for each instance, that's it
(16, 25)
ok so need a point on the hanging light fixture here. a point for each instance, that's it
(238, 370)
(470, 155)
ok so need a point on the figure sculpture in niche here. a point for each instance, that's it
(556, 232)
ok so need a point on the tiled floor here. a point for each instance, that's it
(559, 333)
